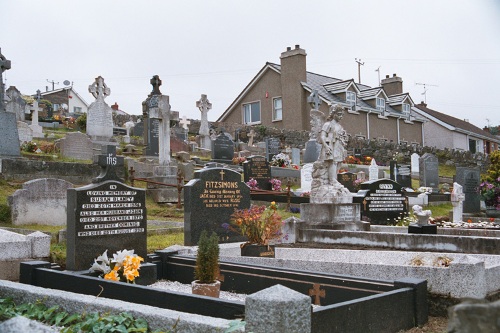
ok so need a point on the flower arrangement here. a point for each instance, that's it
(275, 184)
(357, 184)
(490, 193)
(281, 160)
(252, 183)
(239, 159)
(124, 266)
(364, 160)
(29, 147)
(258, 223)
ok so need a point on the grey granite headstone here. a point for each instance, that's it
(429, 171)
(400, 173)
(40, 201)
(222, 149)
(258, 168)
(311, 152)
(209, 201)
(9, 137)
(16, 104)
(469, 179)
(108, 215)
(77, 145)
(296, 156)
(272, 148)
(24, 131)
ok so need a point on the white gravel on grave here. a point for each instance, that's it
(186, 288)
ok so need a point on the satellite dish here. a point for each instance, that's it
(66, 83)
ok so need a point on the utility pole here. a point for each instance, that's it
(359, 68)
(53, 82)
(425, 89)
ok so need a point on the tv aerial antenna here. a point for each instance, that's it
(425, 89)
(378, 71)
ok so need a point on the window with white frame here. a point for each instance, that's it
(406, 108)
(350, 97)
(77, 109)
(55, 106)
(251, 113)
(380, 104)
(277, 109)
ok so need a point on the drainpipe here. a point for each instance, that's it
(368, 124)
(399, 137)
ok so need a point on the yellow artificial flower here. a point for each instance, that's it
(113, 275)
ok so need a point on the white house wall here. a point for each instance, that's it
(438, 136)
(76, 102)
(460, 141)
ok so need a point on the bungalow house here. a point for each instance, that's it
(278, 97)
(444, 131)
(66, 100)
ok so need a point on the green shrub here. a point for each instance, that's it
(207, 260)
(4, 213)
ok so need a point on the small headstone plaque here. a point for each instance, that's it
(429, 171)
(209, 201)
(108, 215)
(469, 179)
(382, 200)
(258, 168)
(347, 179)
(401, 173)
(222, 149)
(296, 156)
(272, 148)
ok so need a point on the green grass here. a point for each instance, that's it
(440, 210)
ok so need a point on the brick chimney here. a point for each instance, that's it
(293, 71)
(115, 106)
(392, 85)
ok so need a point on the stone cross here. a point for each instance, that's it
(204, 105)
(317, 292)
(457, 200)
(108, 161)
(184, 122)
(314, 99)
(251, 135)
(156, 83)
(162, 112)
(99, 89)
(4, 65)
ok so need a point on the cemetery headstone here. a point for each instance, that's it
(16, 104)
(306, 177)
(159, 108)
(311, 152)
(24, 131)
(222, 149)
(35, 127)
(429, 171)
(415, 165)
(204, 105)
(99, 114)
(107, 215)
(373, 170)
(469, 179)
(251, 135)
(209, 201)
(258, 168)
(76, 145)
(382, 200)
(40, 201)
(9, 140)
(296, 156)
(347, 180)
(272, 148)
(400, 173)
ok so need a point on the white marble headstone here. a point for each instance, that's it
(99, 114)
(306, 177)
(373, 170)
(415, 163)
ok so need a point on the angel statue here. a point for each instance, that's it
(333, 139)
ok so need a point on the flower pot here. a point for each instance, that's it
(492, 212)
(206, 289)
(256, 250)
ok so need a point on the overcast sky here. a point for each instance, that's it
(217, 47)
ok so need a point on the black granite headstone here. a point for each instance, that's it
(347, 179)
(106, 216)
(258, 168)
(470, 179)
(138, 129)
(222, 149)
(209, 201)
(153, 133)
(429, 171)
(401, 173)
(272, 148)
(381, 201)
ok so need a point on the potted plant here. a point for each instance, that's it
(260, 225)
(489, 189)
(207, 266)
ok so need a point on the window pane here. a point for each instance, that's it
(255, 112)
(246, 113)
